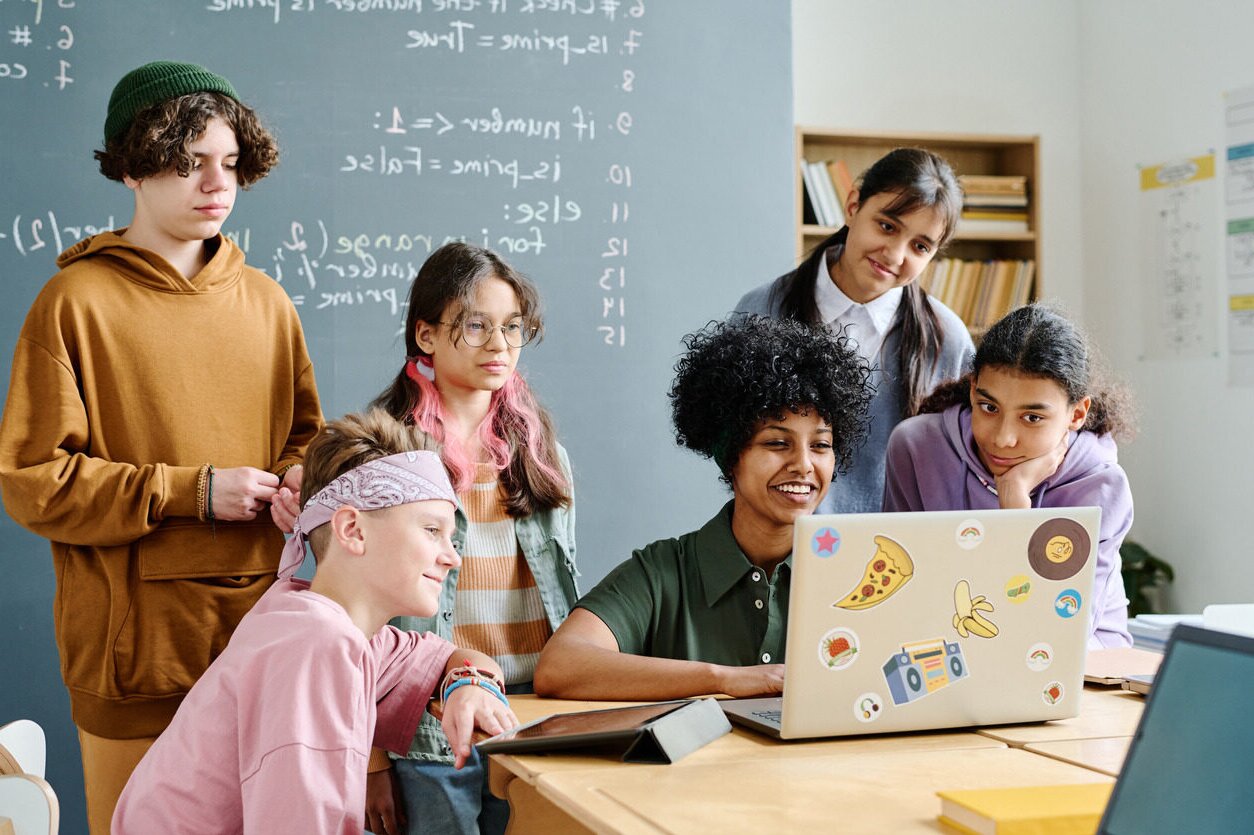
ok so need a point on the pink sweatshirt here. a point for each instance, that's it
(275, 736)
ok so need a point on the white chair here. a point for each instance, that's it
(23, 749)
(28, 806)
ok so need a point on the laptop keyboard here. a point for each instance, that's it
(771, 716)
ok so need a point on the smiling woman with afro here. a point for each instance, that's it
(780, 406)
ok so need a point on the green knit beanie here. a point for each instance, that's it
(157, 82)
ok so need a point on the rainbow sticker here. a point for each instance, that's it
(1018, 588)
(1053, 693)
(969, 534)
(825, 543)
(1039, 657)
(1068, 603)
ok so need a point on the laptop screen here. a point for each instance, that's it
(1190, 763)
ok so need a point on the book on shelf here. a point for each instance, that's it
(1028, 810)
(841, 179)
(1014, 201)
(994, 183)
(809, 202)
(980, 292)
(833, 213)
(983, 225)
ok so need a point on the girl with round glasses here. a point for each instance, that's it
(469, 316)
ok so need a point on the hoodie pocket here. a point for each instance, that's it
(192, 589)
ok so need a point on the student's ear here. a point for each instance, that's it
(851, 205)
(1080, 413)
(347, 529)
(424, 335)
(130, 182)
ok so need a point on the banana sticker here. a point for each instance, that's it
(969, 616)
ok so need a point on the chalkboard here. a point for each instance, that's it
(633, 158)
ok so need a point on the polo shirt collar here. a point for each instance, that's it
(720, 561)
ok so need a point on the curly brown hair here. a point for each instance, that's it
(1039, 341)
(740, 372)
(156, 141)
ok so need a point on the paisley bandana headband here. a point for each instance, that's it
(384, 482)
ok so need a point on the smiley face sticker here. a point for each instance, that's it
(1058, 549)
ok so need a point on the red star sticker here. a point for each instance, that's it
(826, 540)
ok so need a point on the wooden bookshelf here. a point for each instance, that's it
(968, 153)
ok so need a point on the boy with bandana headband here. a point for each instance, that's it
(275, 736)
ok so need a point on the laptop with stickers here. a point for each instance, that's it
(912, 621)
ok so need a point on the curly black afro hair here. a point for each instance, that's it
(751, 368)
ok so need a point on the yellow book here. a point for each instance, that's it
(1028, 810)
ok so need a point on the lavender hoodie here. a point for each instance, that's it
(932, 465)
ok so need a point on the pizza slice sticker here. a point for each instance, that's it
(886, 572)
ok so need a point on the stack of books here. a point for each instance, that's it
(994, 203)
(1152, 632)
(827, 184)
(981, 292)
(1030, 810)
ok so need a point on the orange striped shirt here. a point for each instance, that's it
(497, 609)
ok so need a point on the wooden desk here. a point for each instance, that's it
(1104, 754)
(1104, 712)
(745, 781)
(890, 792)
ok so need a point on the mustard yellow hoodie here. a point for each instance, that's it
(126, 378)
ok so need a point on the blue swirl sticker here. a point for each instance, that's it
(825, 543)
(1067, 603)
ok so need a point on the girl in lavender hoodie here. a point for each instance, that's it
(1024, 429)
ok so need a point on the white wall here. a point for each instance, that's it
(1106, 84)
(1153, 76)
(957, 66)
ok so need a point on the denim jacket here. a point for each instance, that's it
(547, 541)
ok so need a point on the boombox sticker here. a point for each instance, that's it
(826, 542)
(838, 649)
(923, 667)
(1058, 549)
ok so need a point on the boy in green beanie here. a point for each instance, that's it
(160, 402)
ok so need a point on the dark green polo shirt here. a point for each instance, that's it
(696, 598)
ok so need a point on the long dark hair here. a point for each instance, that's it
(518, 433)
(1038, 341)
(921, 180)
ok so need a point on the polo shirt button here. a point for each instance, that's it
(447, 615)
(757, 576)
(766, 658)
(758, 603)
